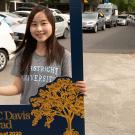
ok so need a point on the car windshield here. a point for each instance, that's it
(107, 14)
(13, 15)
(89, 15)
(106, 10)
(24, 21)
(2, 18)
(123, 17)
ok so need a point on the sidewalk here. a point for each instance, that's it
(110, 103)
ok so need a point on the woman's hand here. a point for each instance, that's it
(82, 86)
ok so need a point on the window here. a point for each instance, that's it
(58, 19)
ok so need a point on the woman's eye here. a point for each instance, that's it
(33, 24)
(44, 23)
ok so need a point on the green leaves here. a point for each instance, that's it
(125, 5)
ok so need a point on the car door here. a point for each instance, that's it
(59, 26)
(101, 20)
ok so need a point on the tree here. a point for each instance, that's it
(125, 5)
(60, 98)
(93, 4)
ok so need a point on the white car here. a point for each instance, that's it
(25, 13)
(62, 28)
(7, 46)
(11, 18)
(22, 13)
(5, 25)
(123, 20)
(58, 12)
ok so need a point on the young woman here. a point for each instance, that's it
(40, 58)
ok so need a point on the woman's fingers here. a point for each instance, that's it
(82, 86)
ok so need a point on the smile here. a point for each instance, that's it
(40, 35)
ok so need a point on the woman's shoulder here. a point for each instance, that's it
(67, 55)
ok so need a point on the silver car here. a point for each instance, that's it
(122, 20)
(61, 29)
(93, 21)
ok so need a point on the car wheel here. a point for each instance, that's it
(66, 33)
(104, 27)
(3, 59)
(115, 25)
(110, 25)
(96, 28)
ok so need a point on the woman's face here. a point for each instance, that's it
(40, 28)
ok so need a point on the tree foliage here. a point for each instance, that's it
(60, 98)
(125, 5)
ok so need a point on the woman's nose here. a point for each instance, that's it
(39, 27)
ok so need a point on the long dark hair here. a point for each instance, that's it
(55, 51)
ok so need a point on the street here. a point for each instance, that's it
(109, 71)
(118, 39)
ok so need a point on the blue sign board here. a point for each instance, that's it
(106, 1)
(29, 120)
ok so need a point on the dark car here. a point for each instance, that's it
(27, 6)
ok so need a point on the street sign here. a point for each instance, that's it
(106, 1)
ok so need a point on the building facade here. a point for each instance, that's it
(9, 5)
(3, 5)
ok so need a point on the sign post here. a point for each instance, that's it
(77, 45)
(76, 39)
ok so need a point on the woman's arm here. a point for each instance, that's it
(13, 89)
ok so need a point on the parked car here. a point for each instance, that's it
(58, 12)
(111, 20)
(122, 20)
(5, 26)
(27, 6)
(62, 29)
(11, 18)
(93, 21)
(23, 13)
(19, 31)
(132, 18)
(7, 46)
(110, 11)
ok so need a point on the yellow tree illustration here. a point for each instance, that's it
(59, 98)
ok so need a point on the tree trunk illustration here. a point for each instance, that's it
(69, 130)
